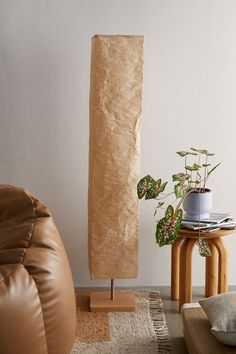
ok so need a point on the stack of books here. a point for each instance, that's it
(215, 221)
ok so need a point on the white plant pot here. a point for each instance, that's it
(197, 205)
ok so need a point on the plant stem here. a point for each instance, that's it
(165, 196)
(185, 164)
(197, 177)
(205, 174)
(198, 213)
(199, 159)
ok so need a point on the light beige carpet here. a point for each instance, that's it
(141, 332)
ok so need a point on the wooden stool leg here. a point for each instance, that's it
(185, 276)
(211, 280)
(175, 251)
(222, 265)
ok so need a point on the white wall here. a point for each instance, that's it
(188, 100)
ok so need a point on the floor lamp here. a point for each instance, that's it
(115, 109)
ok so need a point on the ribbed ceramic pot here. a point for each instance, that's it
(197, 205)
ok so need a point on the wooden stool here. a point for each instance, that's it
(216, 278)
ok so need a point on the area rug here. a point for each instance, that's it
(141, 332)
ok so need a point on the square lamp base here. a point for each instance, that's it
(100, 301)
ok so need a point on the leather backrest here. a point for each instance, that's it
(32, 256)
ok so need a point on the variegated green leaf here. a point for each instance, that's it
(169, 212)
(203, 247)
(167, 229)
(163, 186)
(162, 234)
(179, 215)
(180, 177)
(185, 153)
(180, 190)
(144, 185)
(194, 167)
(190, 168)
(200, 151)
(192, 153)
(154, 191)
(158, 183)
(195, 182)
(197, 166)
(182, 153)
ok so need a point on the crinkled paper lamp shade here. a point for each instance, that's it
(115, 109)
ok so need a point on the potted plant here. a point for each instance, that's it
(189, 190)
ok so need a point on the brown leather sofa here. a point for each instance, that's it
(37, 301)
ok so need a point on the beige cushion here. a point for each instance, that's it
(221, 313)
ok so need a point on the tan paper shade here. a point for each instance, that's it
(115, 108)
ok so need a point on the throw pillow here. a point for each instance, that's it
(221, 312)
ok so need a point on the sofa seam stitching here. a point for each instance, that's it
(31, 232)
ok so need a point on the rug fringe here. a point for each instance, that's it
(159, 322)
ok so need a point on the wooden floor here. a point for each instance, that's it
(173, 317)
(174, 320)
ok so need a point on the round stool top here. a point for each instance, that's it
(186, 233)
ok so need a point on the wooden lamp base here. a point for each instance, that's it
(101, 301)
